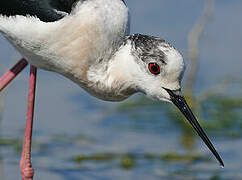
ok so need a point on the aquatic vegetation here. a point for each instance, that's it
(15, 143)
(130, 160)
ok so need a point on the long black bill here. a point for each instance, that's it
(182, 105)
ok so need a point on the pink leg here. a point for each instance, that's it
(12, 73)
(25, 163)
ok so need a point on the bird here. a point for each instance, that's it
(89, 42)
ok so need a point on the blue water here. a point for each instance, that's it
(69, 122)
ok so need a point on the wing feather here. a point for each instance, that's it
(45, 10)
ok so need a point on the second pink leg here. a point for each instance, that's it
(25, 163)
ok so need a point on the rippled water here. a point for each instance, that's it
(79, 137)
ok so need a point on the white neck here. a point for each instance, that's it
(113, 78)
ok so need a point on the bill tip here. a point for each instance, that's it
(222, 165)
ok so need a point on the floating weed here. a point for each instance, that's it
(182, 157)
(15, 143)
(95, 157)
(8, 141)
(149, 156)
(130, 160)
(215, 177)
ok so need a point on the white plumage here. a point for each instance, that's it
(73, 44)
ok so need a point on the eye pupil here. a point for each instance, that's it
(154, 68)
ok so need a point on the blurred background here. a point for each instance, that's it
(79, 137)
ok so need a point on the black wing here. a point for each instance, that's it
(45, 10)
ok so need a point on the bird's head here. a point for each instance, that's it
(159, 66)
(156, 69)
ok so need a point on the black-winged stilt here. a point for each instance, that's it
(87, 41)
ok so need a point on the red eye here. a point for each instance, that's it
(154, 68)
